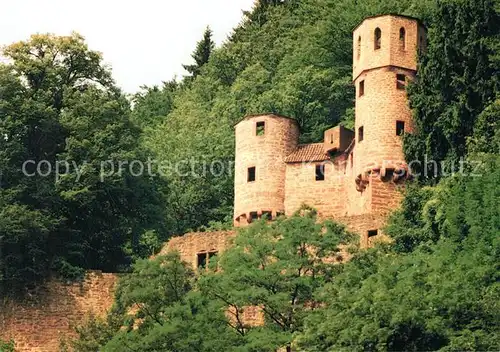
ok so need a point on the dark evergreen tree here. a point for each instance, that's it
(457, 79)
(201, 54)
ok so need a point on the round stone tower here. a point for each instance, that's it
(385, 50)
(262, 143)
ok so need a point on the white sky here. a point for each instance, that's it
(145, 42)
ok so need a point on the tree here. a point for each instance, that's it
(52, 64)
(456, 81)
(64, 125)
(486, 135)
(201, 54)
(153, 104)
(111, 191)
(442, 294)
(277, 267)
(157, 309)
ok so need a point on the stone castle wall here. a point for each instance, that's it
(41, 322)
(377, 112)
(194, 243)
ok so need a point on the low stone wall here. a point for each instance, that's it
(191, 244)
(41, 322)
(362, 224)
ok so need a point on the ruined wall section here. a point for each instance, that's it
(194, 243)
(41, 322)
(365, 225)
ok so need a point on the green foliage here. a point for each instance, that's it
(277, 267)
(456, 81)
(93, 334)
(151, 104)
(7, 346)
(201, 54)
(441, 295)
(486, 135)
(159, 311)
(59, 106)
(414, 223)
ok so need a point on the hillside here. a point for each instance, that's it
(433, 287)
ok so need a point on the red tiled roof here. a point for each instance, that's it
(308, 152)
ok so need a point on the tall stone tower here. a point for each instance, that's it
(385, 52)
(262, 143)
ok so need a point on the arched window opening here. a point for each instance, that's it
(378, 38)
(402, 38)
(359, 47)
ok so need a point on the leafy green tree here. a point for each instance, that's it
(153, 104)
(442, 295)
(201, 54)
(142, 297)
(277, 267)
(486, 135)
(112, 192)
(195, 324)
(60, 109)
(157, 309)
(30, 132)
(52, 65)
(456, 81)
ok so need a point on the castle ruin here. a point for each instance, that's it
(352, 177)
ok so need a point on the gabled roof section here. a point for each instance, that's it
(308, 152)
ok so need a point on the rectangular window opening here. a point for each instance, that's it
(401, 82)
(251, 174)
(372, 233)
(361, 88)
(361, 136)
(253, 216)
(202, 260)
(320, 172)
(261, 128)
(400, 128)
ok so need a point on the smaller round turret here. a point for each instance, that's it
(262, 143)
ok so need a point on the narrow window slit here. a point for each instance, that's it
(320, 172)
